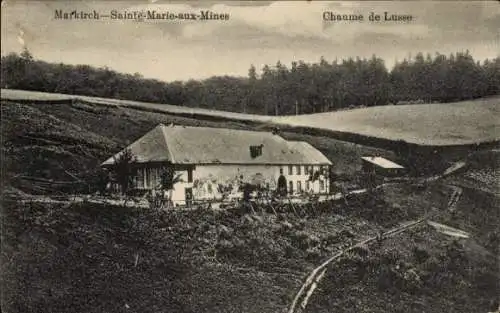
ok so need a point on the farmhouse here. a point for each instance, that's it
(216, 161)
(381, 166)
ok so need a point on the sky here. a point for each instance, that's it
(257, 32)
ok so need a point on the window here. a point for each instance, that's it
(190, 175)
(153, 178)
(298, 169)
(299, 186)
(146, 177)
(140, 178)
(290, 187)
(306, 170)
(322, 185)
(134, 181)
(290, 170)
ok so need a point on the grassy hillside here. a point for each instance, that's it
(465, 122)
(430, 272)
(426, 124)
(93, 258)
(14, 95)
(87, 257)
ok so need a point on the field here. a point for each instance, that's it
(87, 257)
(422, 124)
(425, 124)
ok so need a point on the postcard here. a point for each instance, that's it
(250, 156)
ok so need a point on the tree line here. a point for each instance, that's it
(276, 89)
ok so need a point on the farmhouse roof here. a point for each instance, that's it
(312, 154)
(382, 162)
(204, 145)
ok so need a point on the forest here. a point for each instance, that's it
(278, 89)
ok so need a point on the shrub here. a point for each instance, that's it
(313, 254)
(420, 254)
(303, 240)
(225, 246)
(361, 251)
(225, 232)
(284, 228)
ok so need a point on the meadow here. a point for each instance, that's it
(436, 124)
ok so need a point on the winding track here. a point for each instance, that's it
(317, 274)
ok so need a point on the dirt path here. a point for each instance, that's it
(317, 274)
(450, 231)
(314, 278)
(452, 169)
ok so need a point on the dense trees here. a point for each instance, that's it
(442, 79)
(276, 90)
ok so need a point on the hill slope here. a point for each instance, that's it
(443, 124)
(85, 257)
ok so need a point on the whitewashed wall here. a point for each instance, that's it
(207, 178)
(213, 175)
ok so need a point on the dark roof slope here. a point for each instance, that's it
(204, 145)
(151, 147)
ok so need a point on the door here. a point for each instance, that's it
(188, 195)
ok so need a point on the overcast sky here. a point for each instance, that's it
(257, 33)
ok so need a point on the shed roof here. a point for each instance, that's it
(205, 145)
(382, 162)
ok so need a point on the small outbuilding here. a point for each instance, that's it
(381, 166)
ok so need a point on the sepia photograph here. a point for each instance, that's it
(250, 156)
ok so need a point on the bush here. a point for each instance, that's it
(303, 240)
(420, 254)
(361, 251)
(313, 254)
(225, 232)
